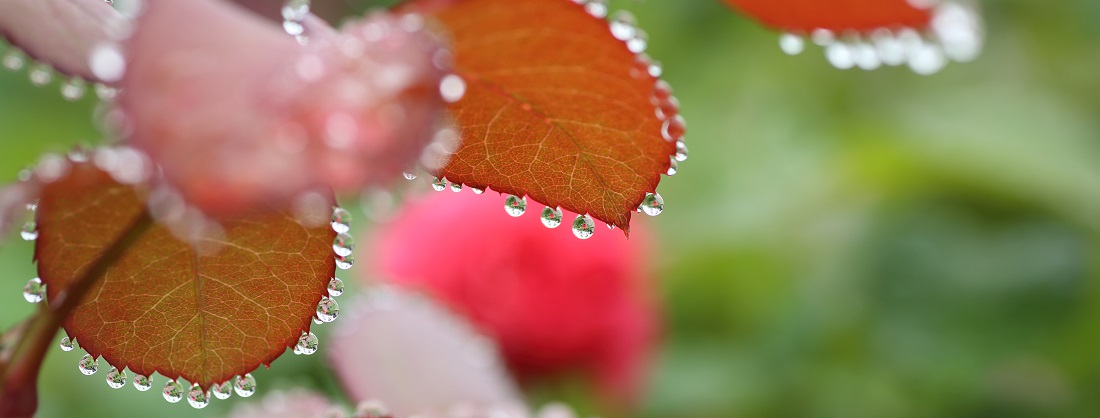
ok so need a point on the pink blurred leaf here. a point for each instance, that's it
(237, 112)
(417, 357)
(62, 33)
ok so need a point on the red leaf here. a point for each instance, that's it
(204, 311)
(556, 108)
(835, 15)
(63, 33)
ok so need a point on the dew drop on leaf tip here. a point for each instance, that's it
(143, 383)
(327, 309)
(88, 365)
(335, 287)
(172, 392)
(439, 184)
(197, 397)
(341, 220)
(222, 390)
(67, 344)
(584, 227)
(245, 386)
(551, 217)
(344, 262)
(116, 378)
(343, 245)
(34, 291)
(29, 232)
(515, 206)
(307, 344)
(653, 204)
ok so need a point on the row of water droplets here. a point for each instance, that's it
(327, 309)
(955, 34)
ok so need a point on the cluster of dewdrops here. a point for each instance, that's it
(624, 27)
(327, 310)
(955, 34)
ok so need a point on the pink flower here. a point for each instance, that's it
(237, 113)
(554, 303)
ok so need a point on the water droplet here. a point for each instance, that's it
(328, 310)
(409, 175)
(107, 62)
(32, 206)
(105, 92)
(317, 321)
(611, 227)
(655, 69)
(439, 184)
(245, 385)
(116, 378)
(866, 56)
(456, 187)
(596, 8)
(41, 74)
(295, 10)
(344, 262)
(584, 227)
(73, 89)
(34, 291)
(822, 37)
(551, 217)
(452, 88)
(335, 287)
(307, 344)
(477, 190)
(341, 220)
(343, 245)
(88, 365)
(927, 59)
(674, 128)
(653, 204)
(623, 24)
(222, 390)
(668, 108)
(197, 397)
(13, 60)
(515, 206)
(840, 55)
(172, 392)
(639, 42)
(143, 383)
(673, 166)
(791, 44)
(30, 231)
(681, 151)
(67, 344)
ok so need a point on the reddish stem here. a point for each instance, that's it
(19, 377)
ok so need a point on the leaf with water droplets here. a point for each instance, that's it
(63, 33)
(205, 311)
(556, 107)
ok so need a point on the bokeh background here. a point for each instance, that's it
(840, 243)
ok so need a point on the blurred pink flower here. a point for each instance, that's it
(236, 112)
(555, 304)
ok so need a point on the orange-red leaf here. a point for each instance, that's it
(205, 311)
(835, 15)
(555, 107)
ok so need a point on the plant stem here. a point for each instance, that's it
(18, 378)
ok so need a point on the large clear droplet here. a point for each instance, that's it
(584, 227)
(143, 383)
(116, 378)
(197, 397)
(456, 187)
(328, 310)
(222, 390)
(653, 204)
(344, 262)
(439, 184)
(673, 166)
(245, 385)
(88, 365)
(34, 291)
(67, 344)
(515, 205)
(551, 217)
(343, 245)
(172, 392)
(307, 344)
(335, 287)
(341, 220)
(681, 151)
(29, 232)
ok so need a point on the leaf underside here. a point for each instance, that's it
(62, 33)
(555, 107)
(835, 15)
(167, 307)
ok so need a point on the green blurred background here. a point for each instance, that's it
(840, 243)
